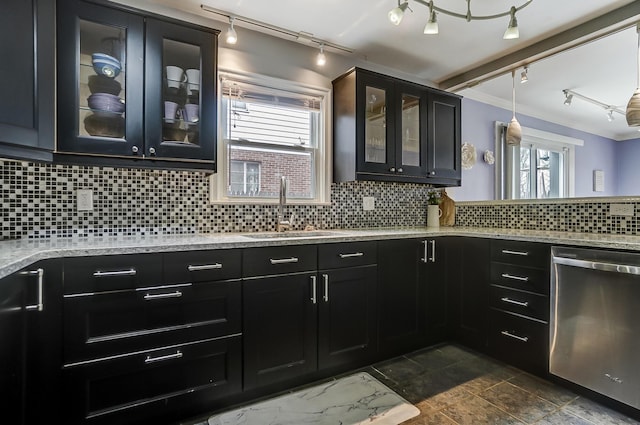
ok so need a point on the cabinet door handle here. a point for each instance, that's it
(508, 251)
(355, 254)
(516, 302)
(512, 277)
(283, 260)
(433, 251)
(514, 336)
(130, 272)
(150, 297)
(176, 355)
(400, 170)
(425, 255)
(325, 278)
(39, 306)
(392, 169)
(199, 267)
(314, 299)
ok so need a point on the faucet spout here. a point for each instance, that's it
(282, 223)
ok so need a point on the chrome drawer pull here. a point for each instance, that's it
(200, 267)
(149, 297)
(325, 278)
(355, 254)
(516, 302)
(433, 251)
(520, 278)
(519, 338)
(40, 273)
(283, 260)
(314, 299)
(425, 257)
(130, 272)
(176, 355)
(507, 251)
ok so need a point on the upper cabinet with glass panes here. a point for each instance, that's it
(394, 130)
(142, 88)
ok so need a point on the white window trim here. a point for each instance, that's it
(539, 138)
(323, 153)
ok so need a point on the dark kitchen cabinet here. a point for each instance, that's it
(27, 29)
(29, 352)
(132, 89)
(468, 280)
(393, 130)
(346, 294)
(433, 275)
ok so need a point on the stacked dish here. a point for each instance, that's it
(105, 65)
(105, 103)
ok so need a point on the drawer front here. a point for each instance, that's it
(102, 325)
(519, 341)
(337, 255)
(147, 384)
(519, 277)
(529, 254)
(202, 266)
(520, 302)
(279, 260)
(111, 273)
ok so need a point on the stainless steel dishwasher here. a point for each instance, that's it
(595, 321)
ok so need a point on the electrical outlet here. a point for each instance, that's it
(625, 210)
(368, 203)
(84, 200)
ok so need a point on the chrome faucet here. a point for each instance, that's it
(282, 223)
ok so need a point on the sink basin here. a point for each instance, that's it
(284, 235)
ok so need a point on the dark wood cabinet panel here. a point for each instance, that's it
(279, 328)
(27, 114)
(347, 254)
(434, 276)
(444, 139)
(279, 260)
(202, 266)
(347, 331)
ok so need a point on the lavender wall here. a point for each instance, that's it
(629, 167)
(478, 129)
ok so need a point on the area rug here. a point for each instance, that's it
(355, 399)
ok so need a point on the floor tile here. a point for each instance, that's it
(473, 410)
(518, 402)
(400, 369)
(429, 416)
(596, 413)
(544, 389)
(561, 417)
(422, 387)
(437, 358)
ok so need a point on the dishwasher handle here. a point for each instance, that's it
(597, 265)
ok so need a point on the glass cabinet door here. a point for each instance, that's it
(410, 128)
(100, 101)
(375, 127)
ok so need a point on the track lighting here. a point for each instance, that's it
(512, 30)
(321, 59)
(397, 13)
(567, 97)
(431, 27)
(609, 109)
(610, 115)
(231, 36)
(524, 75)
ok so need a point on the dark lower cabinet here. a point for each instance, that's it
(347, 316)
(433, 275)
(30, 345)
(280, 328)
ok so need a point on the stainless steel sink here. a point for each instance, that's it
(284, 235)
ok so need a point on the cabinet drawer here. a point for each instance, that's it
(529, 254)
(336, 255)
(525, 303)
(279, 260)
(146, 385)
(519, 277)
(109, 324)
(111, 273)
(519, 341)
(202, 266)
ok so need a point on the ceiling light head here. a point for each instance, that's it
(610, 115)
(396, 14)
(321, 59)
(524, 75)
(568, 97)
(512, 30)
(432, 24)
(231, 36)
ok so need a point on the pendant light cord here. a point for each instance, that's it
(638, 52)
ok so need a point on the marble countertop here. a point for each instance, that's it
(15, 255)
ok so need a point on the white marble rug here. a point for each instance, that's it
(355, 399)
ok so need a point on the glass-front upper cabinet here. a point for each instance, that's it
(180, 64)
(100, 95)
(411, 146)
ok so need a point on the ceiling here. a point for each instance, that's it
(604, 70)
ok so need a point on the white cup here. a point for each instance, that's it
(170, 110)
(193, 79)
(191, 112)
(175, 76)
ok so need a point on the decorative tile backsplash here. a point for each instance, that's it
(39, 200)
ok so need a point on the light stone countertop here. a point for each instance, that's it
(15, 255)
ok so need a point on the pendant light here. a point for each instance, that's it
(514, 131)
(231, 35)
(633, 107)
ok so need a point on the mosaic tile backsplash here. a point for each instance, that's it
(39, 200)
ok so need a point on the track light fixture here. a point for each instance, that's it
(609, 109)
(321, 59)
(524, 75)
(397, 13)
(567, 97)
(231, 36)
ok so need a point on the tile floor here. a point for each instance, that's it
(452, 385)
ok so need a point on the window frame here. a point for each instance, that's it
(322, 166)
